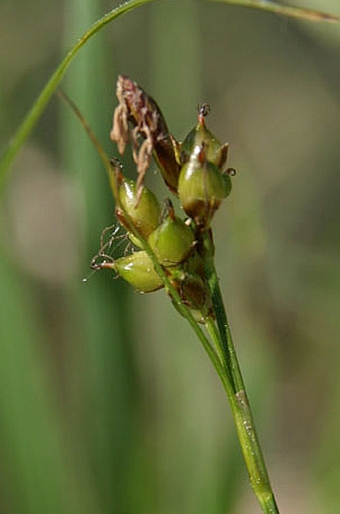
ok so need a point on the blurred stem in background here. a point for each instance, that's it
(104, 399)
(176, 58)
(38, 475)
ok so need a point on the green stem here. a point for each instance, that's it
(235, 388)
(38, 107)
(284, 10)
(215, 337)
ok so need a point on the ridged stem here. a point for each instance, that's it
(235, 388)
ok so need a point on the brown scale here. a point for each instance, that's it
(142, 111)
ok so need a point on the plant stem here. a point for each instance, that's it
(284, 10)
(234, 386)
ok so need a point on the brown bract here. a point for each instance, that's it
(142, 111)
(120, 128)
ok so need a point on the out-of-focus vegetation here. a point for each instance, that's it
(107, 402)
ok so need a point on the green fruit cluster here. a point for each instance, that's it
(193, 171)
(172, 240)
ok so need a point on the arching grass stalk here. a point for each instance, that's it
(283, 10)
(40, 103)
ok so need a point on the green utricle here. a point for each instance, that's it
(172, 241)
(143, 212)
(201, 189)
(216, 153)
(137, 269)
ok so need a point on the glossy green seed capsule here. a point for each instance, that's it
(201, 188)
(216, 153)
(137, 269)
(173, 240)
(144, 213)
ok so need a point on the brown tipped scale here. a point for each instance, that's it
(193, 292)
(190, 287)
(142, 111)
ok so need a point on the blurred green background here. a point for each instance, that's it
(107, 402)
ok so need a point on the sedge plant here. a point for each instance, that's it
(168, 251)
(181, 253)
